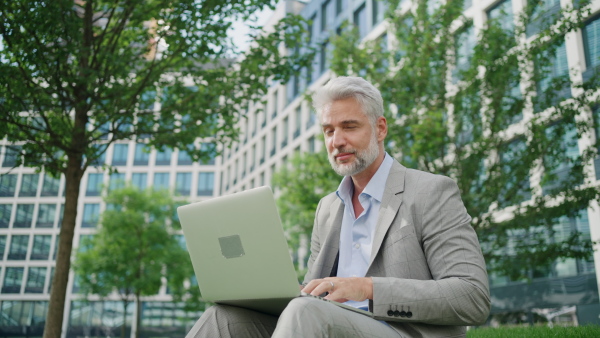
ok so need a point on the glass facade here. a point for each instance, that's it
(140, 180)
(24, 216)
(183, 184)
(29, 184)
(206, 183)
(36, 279)
(50, 186)
(91, 214)
(94, 184)
(163, 157)
(8, 185)
(46, 214)
(161, 181)
(5, 213)
(13, 279)
(120, 152)
(142, 155)
(41, 247)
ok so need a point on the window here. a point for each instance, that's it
(61, 213)
(94, 185)
(465, 46)
(91, 214)
(11, 155)
(45, 218)
(206, 182)
(311, 144)
(273, 141)
(324, 54)
(50, 185)
(117, 181)
(502, 14)
(285, 131)
(591, 43)
(183, 158)
(139, 180)
(5, 211)
(36, 279)
(41, 247)
(18, 248)
(120, 154)
(555, 69)
(210, 149)
(262, 153)
(298, 121)
(340, 5)
(29, 184)
(517, 188)
(543, 15)
(8, 185)
(163, 157)
(183, 184)
(325, 13)
(558, 169)
(12, 280)
(596, 114)
(379, 8)
(142, 154)
(161, 181)
(2, 246)
(24, 216)
(275, 104)
(312, 118)
(360, 20)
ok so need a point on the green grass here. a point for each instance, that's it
(536, 331)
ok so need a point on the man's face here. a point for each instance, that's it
(352, 142)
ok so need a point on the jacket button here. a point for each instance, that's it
(396, 313)
(402, 313)
(408, 314)
(390, 313)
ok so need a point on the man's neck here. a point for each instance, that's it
(361, 179)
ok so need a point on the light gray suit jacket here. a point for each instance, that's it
(425, 257)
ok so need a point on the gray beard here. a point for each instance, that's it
(363, 159)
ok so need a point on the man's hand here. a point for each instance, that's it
(342, 289)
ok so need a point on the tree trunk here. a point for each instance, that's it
(138, 315)
(56, 306)
(124, 326)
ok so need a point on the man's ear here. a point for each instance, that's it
(382, 128)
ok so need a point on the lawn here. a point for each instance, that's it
(536, 331)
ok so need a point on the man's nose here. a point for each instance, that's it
(338, 139)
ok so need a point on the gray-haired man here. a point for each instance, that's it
(392, 240)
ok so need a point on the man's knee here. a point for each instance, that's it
(306, 309)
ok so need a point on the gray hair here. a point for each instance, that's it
(344, 87)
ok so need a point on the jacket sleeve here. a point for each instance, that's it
(456, 290)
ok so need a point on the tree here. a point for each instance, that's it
(77, 76)
(133, 250)
(453, 97)
(300, 187)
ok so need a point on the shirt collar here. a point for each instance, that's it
(374, 188)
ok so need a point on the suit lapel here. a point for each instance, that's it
(332, 242)
(390, 204)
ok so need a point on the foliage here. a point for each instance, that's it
(533, 332)
(300, 186)
(495, 114)
(133, 250)
(77, 76)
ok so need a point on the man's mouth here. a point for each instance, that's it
(343, 157)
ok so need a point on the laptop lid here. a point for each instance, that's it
(238, 249)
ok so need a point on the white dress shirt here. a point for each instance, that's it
(356, 235)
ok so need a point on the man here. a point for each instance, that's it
(392, 240)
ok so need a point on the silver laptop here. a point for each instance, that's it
(239, 252)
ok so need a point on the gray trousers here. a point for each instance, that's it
(303, 317)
